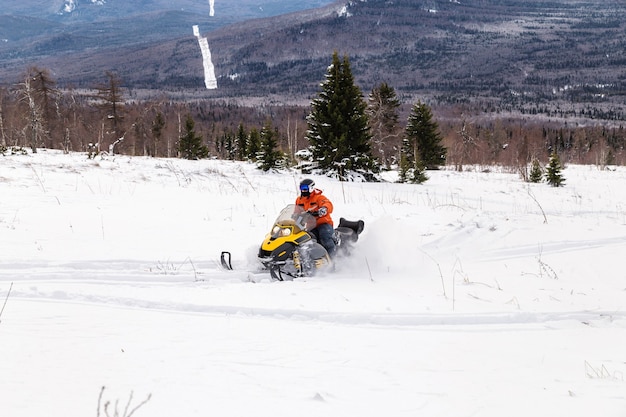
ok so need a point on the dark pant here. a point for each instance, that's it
(324, 232)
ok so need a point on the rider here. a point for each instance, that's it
(311, 199)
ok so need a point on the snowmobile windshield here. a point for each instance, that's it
(294, 215)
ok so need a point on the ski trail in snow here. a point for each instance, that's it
(212, 5)
(522, 251)
(210, 81)
(102, 293)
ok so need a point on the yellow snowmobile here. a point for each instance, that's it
(290, 250)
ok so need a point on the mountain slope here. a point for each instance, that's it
(488, 48)
(82, 11)
(522, 53)
(67, 35)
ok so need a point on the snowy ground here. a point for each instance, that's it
(474, 294)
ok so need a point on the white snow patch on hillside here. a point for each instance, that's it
(210, 81)
(343, 12)
(69, 6)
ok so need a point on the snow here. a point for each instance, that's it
(69, 6)
(211, 7)
(343, 12)
(474, 294)
(210, 82)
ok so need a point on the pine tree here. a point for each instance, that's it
(338, 130)
(419, 173)
(383, 119)
(229, 145)
(554, 177)
(424, 139)
(536, 173)
(411, 168)
(190, 145)
(270, 157)
(157, 131)
(404, 166)
(241, 143)
(254, 145)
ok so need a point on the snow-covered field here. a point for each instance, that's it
(474, 294)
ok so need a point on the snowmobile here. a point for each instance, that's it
(290, 250)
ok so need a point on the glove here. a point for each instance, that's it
(322, 211)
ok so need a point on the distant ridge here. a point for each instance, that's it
(522, 53)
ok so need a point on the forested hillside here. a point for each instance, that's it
(505, 78)
(516, 54)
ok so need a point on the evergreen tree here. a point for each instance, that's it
(338, 128)
(254, 144)
(404, 165)
(270, 157)
(383, 119)
(157, 131)
(241, 140)
(536, 173)
(190, 145)
(554, 177)
(411, 168)
(419, 173)
(229, 145)
(424, 139)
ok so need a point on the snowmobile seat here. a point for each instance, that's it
(350, 229)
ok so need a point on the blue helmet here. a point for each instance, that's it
(306, 187)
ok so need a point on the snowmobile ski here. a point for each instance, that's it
(225, 260)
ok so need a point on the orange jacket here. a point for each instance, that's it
(314, 202)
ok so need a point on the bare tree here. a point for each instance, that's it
(47, 97)
(383, 115)
(34, 129)
(468, 143)
(71, 119)
(3, 139)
